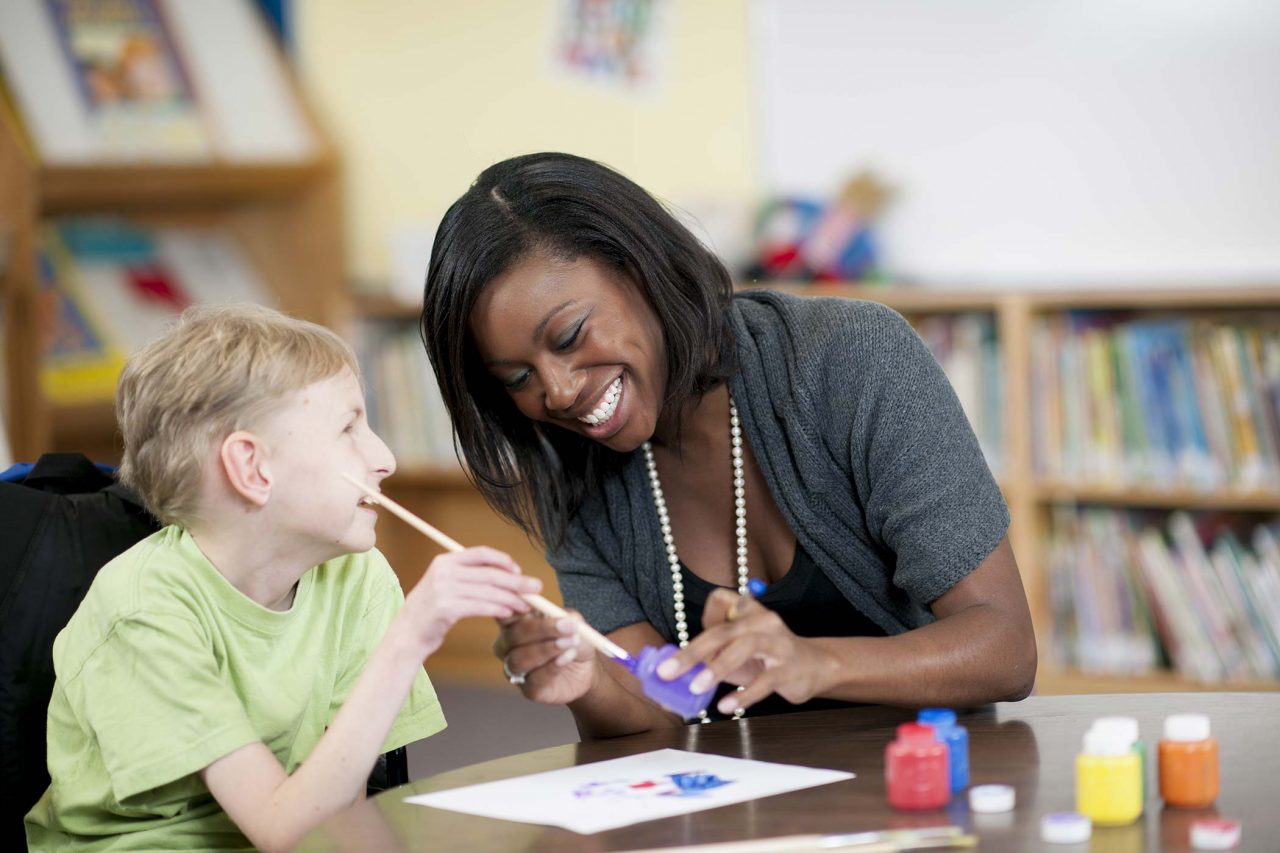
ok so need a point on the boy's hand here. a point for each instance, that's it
(476, 581)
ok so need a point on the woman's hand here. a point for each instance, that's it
(546, 657)
(745, 643)
(473, 582)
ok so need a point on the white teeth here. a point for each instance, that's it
(608, 404)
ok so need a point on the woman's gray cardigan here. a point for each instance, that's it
(866, 451)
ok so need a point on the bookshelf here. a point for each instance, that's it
(285, 218)
(1032, 495)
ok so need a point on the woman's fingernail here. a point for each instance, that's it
(702, 682)
(565, 642)
(667, 669)
(567, 658)
(564, 626)
(727, 705)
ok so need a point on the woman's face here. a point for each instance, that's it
(576, 346)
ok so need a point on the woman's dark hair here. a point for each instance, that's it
(564, 207)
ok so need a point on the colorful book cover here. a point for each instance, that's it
(80, 361)
(130, 78)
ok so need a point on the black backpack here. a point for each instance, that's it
(61, 520)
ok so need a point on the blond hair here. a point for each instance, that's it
(219, 369)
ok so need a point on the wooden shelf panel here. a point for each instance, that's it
(904, 300)
(1065, 682)
(429, 477)
(375, 306)
(1197, 298)
(1173, 497)
(71, 189)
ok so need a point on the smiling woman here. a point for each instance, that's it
(613, 396)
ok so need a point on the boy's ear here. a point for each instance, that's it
(244, 461)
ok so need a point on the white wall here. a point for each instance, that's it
(1036, 141)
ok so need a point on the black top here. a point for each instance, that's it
(810, 606)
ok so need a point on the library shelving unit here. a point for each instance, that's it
(1030, 495)
(444, 494)
(286, 218)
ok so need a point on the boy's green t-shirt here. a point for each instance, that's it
(166, 667)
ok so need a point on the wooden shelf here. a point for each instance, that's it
(1173, 497)
(376, 306)
(424, 477)
(1172, 298)
(71, 189)
(904, 300)
(1059, 682)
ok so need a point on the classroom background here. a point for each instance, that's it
(1075, 204)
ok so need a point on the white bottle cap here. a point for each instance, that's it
(1124, 726)
(1215, 834)
(1065, 828)
(991, 798)
(1106, 741)
(1186, 727)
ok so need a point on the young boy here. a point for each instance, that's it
(231, 680)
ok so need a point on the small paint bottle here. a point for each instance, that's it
(1127, 728)
(915, 769)
(1188, 762)
(956, 739)
(1108, 779)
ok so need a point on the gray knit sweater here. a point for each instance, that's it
(866, 451)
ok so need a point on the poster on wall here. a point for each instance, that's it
(618, 44)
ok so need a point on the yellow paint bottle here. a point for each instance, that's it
(1108, 778)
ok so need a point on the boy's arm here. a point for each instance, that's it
(273, 809)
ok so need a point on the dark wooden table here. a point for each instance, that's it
(1031, 745)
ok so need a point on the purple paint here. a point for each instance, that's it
(673, 695)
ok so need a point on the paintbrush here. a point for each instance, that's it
(591, 635)
(887, 841)
(674, 694)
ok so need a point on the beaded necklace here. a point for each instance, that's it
(740, 530)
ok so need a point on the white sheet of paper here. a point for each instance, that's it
(609, 794)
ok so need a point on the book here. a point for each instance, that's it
(150, 81)
(113, 285)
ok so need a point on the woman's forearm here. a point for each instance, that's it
(971, 657)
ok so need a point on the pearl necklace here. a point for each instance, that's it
(739, 524)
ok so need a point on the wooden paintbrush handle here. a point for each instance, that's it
(591, 635)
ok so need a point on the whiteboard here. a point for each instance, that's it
(1036, 142)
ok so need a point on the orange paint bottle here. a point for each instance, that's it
(1188, 762)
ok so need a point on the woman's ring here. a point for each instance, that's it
(515, 678)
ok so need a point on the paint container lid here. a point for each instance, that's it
(1065, 828)
(991, 798)
(1215, 834)
(1126, 727)
(937, 716)
(1186, 727)
(1106, 741)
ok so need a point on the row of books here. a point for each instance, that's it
(966, 347)
(1161, 401)
(403, 398)
(110, 285)
(150, 80)
(1131, 593)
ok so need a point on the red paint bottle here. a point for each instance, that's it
(916, 774)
